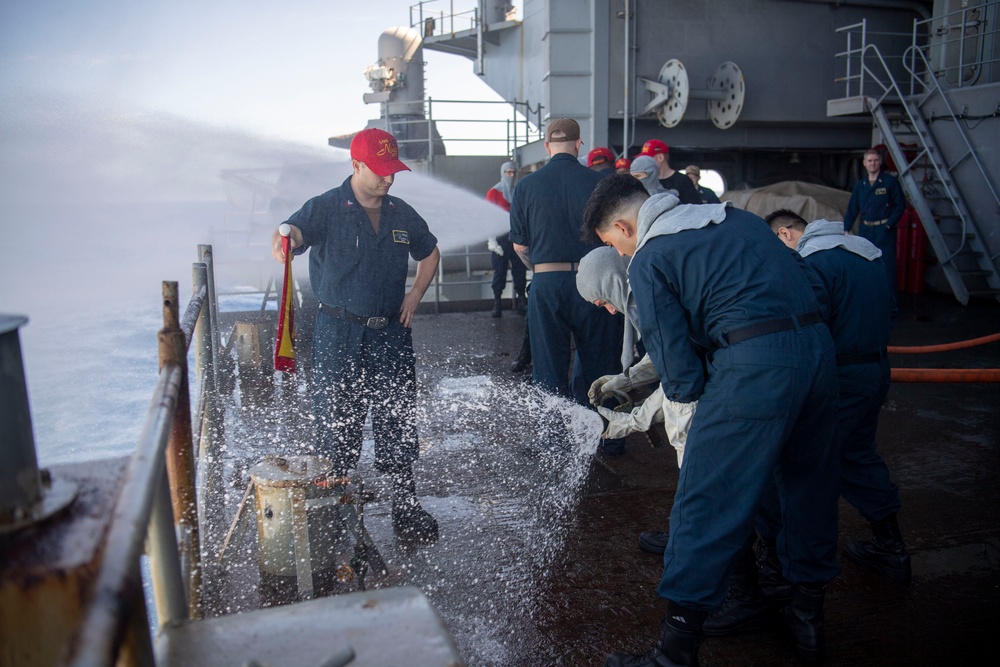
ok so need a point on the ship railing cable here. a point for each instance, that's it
(158, 477)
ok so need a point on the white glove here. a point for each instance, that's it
(492, 244)
(642, 372)
(605, 387)
(677, 422)
(640, 419)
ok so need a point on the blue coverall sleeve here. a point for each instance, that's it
(665, 333)
(518, 222)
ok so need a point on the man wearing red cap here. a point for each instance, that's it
(361, 241)
(622, 165)
(601, 160)
(675, 182)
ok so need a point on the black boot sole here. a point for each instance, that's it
(901, 573)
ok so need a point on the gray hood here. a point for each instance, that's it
(603, 274)
(646, 170)
(825, 235)
(664, 214)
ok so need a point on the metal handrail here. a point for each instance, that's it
(939, 25)
(143, 507)
(519, 129)
(933, 87)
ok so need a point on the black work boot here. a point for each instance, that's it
(654, 541)
(745, 608)
(410, 521)
(885, 553)
(523, 357)
(772, 583)
(678, 647)
(497, 305)
(803, 620)
(521, 304)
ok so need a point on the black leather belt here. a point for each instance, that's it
(860, 358)
(370, 322)
(772, 326)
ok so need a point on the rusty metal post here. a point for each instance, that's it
(180, 450)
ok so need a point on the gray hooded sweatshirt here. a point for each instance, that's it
(826, 235)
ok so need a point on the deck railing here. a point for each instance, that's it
(156, 499)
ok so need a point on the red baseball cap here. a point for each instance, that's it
(600, 154)
(655, 147)
(378, 150)
(623, 163)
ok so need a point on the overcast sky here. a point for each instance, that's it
(287, 70)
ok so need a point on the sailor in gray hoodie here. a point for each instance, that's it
(861, 308)
(602, 279)
(716, 277)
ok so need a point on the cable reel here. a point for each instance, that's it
(671, 92)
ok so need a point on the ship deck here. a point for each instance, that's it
(537, 561)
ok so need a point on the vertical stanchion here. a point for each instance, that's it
(180, 450)
(165, 569)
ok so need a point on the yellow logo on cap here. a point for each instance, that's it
(388, 148)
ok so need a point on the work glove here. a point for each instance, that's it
(606, 387)
(641, 417)
(677, 422)
(492, 244)
(642, 372)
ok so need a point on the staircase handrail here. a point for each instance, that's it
(893, 87)
(934, 87)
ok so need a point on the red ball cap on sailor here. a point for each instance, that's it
(378, 150)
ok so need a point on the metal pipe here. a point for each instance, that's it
(205, 255)
(99, 636)
(167, 579)
(626, 141)
(180, 451)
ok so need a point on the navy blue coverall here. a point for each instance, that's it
(546, 216)
(357, 274)
(859, 321)
(765, 404)
(880, 204)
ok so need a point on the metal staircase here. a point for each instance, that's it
(929, 176)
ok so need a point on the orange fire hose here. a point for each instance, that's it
(946, 347)
(945, 374)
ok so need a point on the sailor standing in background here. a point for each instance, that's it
(708, 195)
(361, 241)
(879, 200)
(503, 253)
(673, 181)
(545, 219)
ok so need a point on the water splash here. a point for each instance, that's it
(100, 204)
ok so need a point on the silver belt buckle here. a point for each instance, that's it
(377, 322)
